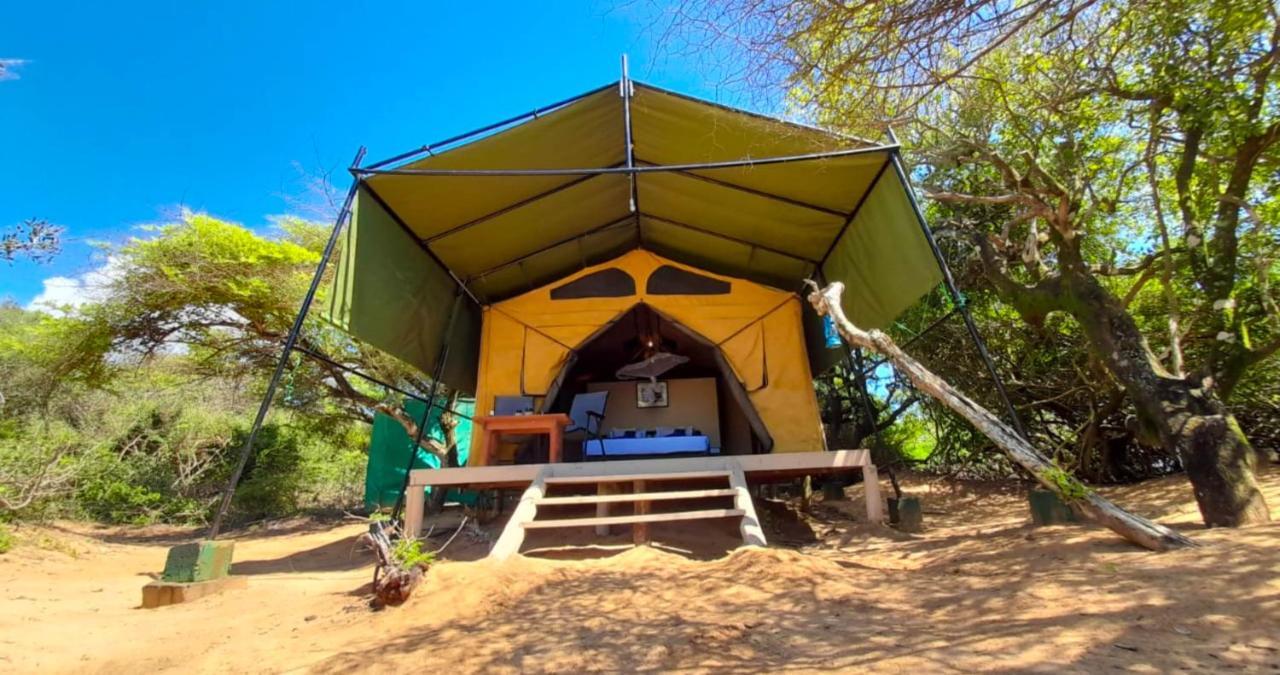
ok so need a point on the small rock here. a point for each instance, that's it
(310, 617)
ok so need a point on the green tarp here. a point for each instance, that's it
(883, 259)
(415, 237)
(391, 294)
(390, 445)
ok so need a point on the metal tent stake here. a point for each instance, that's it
(289, 343)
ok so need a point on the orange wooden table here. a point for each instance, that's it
(551, 424)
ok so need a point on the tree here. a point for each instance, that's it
(1065, 140)
(826, 301)
(34, 238)
(227, 296)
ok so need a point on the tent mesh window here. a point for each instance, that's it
(669, 280)
(608, 283)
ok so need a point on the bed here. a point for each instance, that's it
(636, 448)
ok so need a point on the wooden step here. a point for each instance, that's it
(636, 518)
(626, 478)
(637, 497)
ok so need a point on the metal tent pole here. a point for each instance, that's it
(436, 374)
(289, 343)
(856, 364)
(657, 168)
(626, 90)
(532, 114)
(956, 296)
(917, 337)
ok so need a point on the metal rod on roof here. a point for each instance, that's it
(395, 217)
(762, 116)
(626, 90)
(956, 296)
(556, 244)
(727, 237)
(487, 128)
(510, 207)
(753, 191)
(283, 361)
(702, 166)
(854, 213)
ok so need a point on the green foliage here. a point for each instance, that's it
(1132, 144)
(133, 408)
(912, 438)
(1068, 486)
(409, 554)
(6, 539)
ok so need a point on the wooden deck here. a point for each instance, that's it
(758, 468)
(741, 470)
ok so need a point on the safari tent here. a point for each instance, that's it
(537, 255)
(454, 253)
(574, 333)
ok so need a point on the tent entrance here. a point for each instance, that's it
(702, 392)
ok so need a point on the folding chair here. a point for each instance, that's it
(587, 417)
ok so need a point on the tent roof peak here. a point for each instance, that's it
(458, 141)
(722, 190)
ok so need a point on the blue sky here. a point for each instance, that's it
(119, 117)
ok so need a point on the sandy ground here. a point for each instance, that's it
(980, 590)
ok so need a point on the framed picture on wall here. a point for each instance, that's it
(651, 395)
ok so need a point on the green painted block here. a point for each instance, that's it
(1048, 509)
(910, 515)
(199, 561)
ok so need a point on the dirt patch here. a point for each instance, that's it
(978, 590)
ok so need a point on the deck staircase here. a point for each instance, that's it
(608, 476)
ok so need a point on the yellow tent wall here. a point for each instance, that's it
(526, 341)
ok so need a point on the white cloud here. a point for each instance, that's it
(61, 294)
(9, 68)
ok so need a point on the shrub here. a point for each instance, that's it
(270, 483)
(409, 554)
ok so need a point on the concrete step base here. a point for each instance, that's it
(163, 593)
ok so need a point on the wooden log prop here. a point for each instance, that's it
(1143, 532)
(393, 582)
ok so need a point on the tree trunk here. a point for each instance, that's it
(393, 583)
(448, 425)
(1184, 412)
(1136, 529)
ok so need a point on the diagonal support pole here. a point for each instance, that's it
(289, 343)
(954, 291)
(436, 374)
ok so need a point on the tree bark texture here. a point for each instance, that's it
(1184, 412)
(1138, 530)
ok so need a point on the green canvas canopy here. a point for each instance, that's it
(722, 189)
